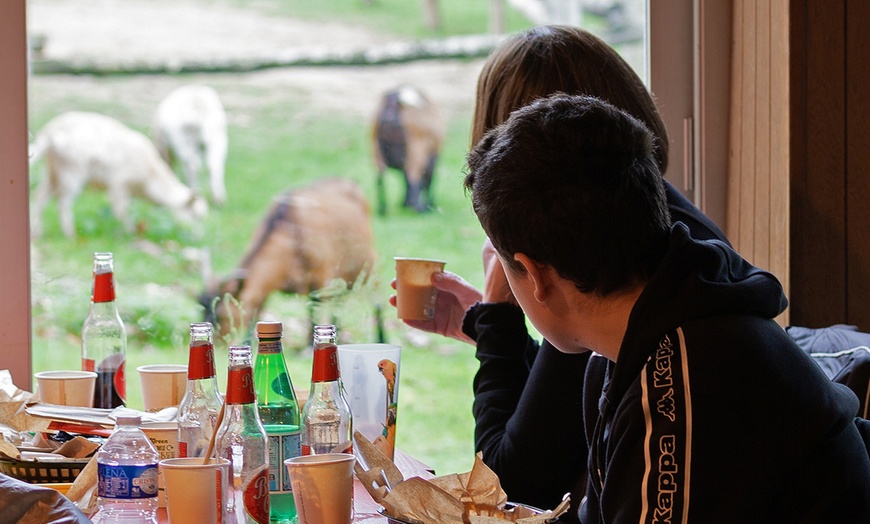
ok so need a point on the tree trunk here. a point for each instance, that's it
(496, 17)
(430, 14)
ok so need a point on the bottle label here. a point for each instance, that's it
(88, 364)
(104, 288)
(127, 481)
(255, 494)
(325, 365)
(110, 387)
(269, 347)
(281, 447)
(200, 364)
(240, 386)
(182, 449)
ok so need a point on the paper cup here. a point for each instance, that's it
(322, 487)
(415, 295)
(66, 388)
(162, 385)
(370, 374)
(196, 492)
(164, 436)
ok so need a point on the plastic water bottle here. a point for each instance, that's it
(127, 475)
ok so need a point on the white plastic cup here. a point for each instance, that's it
(196, 492)
(370, 374)
(415, 295)
(164, 436)
(66, 387)
(322, 487)
(162, 385)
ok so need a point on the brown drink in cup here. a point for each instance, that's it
(415, 295)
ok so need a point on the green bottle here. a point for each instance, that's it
(279, 412)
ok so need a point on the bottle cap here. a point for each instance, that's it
(128, 420)
(269, 329)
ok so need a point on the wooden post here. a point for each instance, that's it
(496, 17)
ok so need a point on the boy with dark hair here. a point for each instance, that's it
(709, 412)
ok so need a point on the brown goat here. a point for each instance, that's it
(310, 236)
(408, 134)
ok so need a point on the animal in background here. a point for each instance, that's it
(82, 148)
(190, 128)
(309, 237)
(408, 133)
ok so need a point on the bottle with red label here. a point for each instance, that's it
(104, 339)
(327, 424)
(199, 408)
(241, 439)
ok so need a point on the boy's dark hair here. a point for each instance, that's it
(572, 181)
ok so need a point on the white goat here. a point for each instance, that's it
(92, 149)
(190, 127)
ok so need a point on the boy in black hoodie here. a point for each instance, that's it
(709, 411)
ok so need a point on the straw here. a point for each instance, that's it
(211, 442)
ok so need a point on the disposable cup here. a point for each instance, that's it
(66, 388)
(196, 492)
(370, 374)
(164, 436)
(162, 385)
(415, 295)
(322, 487)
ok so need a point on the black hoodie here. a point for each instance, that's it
(712, 413)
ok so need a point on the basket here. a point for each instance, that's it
(43, 472)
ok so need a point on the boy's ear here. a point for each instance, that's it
(537, 275)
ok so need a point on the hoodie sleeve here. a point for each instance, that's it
(527, 408)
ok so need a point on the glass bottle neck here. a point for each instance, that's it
(324, 367)
(200, 362)
(104, 288)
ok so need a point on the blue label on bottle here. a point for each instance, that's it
(282, 447)
(127, 481)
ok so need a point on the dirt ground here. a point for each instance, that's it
(148, 30)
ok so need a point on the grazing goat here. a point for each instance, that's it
(83, 149)
(408, 133)
(310, 236)
(190, 127)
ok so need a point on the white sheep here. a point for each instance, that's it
(190, 127)
(82, 148)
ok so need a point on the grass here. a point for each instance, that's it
(276, 143)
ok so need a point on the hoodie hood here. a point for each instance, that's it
(696, 279)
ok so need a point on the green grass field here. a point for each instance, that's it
(276, 143)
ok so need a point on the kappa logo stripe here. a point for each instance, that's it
(667, 411)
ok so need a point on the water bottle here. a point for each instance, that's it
(127, 476)
(279, 413)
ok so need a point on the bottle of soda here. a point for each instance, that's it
(279, 413)
(327, 425)
(242, 440)
(127, 475)
(104, 340)
(199, 408)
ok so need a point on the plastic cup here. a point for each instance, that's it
(164, 436)
(66, 388)
(370, 374)
(162, 385)
(196, 492)
(415, 295)
(322, 487)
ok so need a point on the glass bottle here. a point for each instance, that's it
(127, 475)
(104, 340)
(242, 440)
(199, 408)
(279, 413)
(327, 425)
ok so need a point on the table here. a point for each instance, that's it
(365, 509)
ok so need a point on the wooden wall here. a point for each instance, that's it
(830, 163)
(758, 160)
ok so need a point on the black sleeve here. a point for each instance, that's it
(527, 408)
